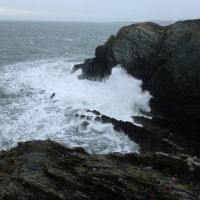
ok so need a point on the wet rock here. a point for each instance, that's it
(165, 58)
(174, 136)
(82, 116)
(93, 69)
(77, 67)
(136, 45)
(84, 124)
(95, 112)
(133, 47)
(98, 119)
(174, 79)
(47, 170)
(155, 135)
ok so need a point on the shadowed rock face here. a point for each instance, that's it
(47, 170)
(167, 59)
(175, 72)
(156, 135)
(180, 55)
(133, 47)
(136, 45)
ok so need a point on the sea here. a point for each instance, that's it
(36, 59)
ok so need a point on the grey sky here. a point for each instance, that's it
(99, 10)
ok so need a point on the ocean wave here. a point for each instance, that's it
(30, 114)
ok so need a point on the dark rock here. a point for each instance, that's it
(100, 52)
(98, 118)
(76, 115)
(82, 116)
(136, 45)
(95, 112)
(84, 124)
(47, 170)
(93, 69)
(105, 119)
(181, 137)
(77, 67)
(89, 117)
(133, 47)
(175, 72)
(157, 135)
(165, 58)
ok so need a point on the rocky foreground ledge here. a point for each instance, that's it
(47, 170)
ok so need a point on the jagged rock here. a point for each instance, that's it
(93, 69)
(47, 170)
(136, 45)
(173, 136)
(174, 78)
(155, 135)
(165, 58)
(133, 47)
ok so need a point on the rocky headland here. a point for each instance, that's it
(165, 58)
(167, 167)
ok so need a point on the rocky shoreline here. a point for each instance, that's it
(47, 170)
(168, 166)
(166, 59)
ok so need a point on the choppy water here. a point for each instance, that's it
(36, 60)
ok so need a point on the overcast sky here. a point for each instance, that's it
(99, 10)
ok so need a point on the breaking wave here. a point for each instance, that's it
(28, 113)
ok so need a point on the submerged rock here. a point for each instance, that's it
(155, 135)
(47, 170)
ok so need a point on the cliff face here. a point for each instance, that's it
(165, 58)
(136, 45)
(175, 73)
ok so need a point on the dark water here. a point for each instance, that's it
(23, 41)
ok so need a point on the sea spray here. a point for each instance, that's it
(28, 113)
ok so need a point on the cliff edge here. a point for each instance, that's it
(167, 59)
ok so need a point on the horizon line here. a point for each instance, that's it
(76, 21)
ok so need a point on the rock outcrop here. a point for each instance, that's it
(156, 135)
(167, 59)
(47, 170)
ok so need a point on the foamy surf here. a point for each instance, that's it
(28, 113)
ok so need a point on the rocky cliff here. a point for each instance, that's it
(167, 59)
(46, 170)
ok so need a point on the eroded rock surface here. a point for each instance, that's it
(165, 58)
(47, 170)
(156, 135)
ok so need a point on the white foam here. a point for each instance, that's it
(28, 113)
